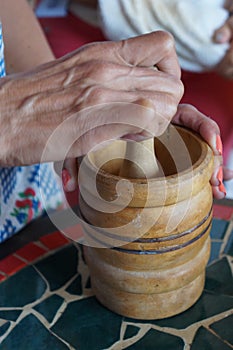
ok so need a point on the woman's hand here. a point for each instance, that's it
(190, 117)
(87, 97)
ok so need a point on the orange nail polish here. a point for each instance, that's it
(219, 144)
(220, 175)
(65, 177)
(222, 189)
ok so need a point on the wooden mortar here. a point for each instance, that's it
(160, 271)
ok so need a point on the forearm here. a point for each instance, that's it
(30, 112)
(24, 40)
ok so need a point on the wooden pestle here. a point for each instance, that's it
(142, 163)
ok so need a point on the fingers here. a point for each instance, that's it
(68, 172)
(163, 104)
(154, 49)
(70, 175)
(190, 117)
(186, 115)
(216, 181)
(113, 121)
(128, 78)
(222, 173)
(117, 73)
(217, 193)
(219, 176)
(149, 50)
(103, 82)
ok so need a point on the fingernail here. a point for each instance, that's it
(65, 177)
(219, 144)
(220, 176)
(222, 189)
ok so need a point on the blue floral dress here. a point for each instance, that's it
(25, 192)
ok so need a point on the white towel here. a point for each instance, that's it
(192, 23)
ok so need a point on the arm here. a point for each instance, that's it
(25, 43)
(78, 97)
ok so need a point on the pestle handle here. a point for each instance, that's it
(143, 161)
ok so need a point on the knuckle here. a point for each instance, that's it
(180, 88)
(97, 94)
(96, 70)
(172, 109)
(176, 87)
(100, 70)
(167, 40)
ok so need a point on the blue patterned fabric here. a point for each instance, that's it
(25, 192)
(2, 61)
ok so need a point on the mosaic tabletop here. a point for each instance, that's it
(46, 301)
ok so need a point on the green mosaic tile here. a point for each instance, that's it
(4, 328)
(218, 228)
(87, 325)
(159, 341)
(10, 315)
(22, 288)
(131, 331)
(35, 336)
(216, 298)
(60, 267)
(204, 340)
(76, 286)
(219, 278)
(224, 329)
(49, 307)
(208, 305)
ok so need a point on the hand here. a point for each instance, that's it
(100, 86)
(225, 35)
(190, 117)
